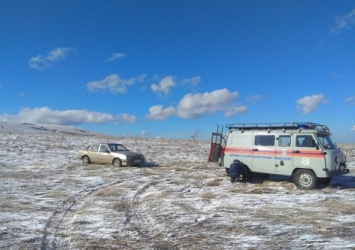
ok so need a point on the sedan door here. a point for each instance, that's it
(93, 153)
(104, 155)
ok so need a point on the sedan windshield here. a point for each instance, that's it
(117, 147)
(326, 141)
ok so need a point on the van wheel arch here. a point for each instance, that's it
(304, 178)
(249, 173)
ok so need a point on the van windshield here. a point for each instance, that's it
(326, 141)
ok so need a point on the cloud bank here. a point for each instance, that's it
(114, 84)
(350, 100)
(164, 86)
(343, 22)
(309, 103)
(42, 62)
(193, 106)
(115, 56)
(45, 115)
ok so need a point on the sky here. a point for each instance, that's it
(177, 69)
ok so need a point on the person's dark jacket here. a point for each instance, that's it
(236, 170)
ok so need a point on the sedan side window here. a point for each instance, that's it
(103, 148)
(95, 148)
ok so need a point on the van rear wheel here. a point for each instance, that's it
(305, 179)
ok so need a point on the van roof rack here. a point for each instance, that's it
(279, 125)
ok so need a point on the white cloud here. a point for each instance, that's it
(44, 115)
(114, 83)
(350, 100)
(164, 85)
(158, 113)
(309, 103)
(234, 110)
(41, 62)
(353, 128)
(193, 106)
(255, 98)
(127, 118)
(145, 133)
(343, 22)
(191, 81)
(115, 56)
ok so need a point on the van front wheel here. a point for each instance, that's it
(305, 179)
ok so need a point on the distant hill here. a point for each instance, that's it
(11, 127)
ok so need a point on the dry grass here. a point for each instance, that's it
(20, 174)
(187, 207)
(57, 194)
(209, 195)
(122, 205)
(110, 191)
(214, 183)
(10, 203)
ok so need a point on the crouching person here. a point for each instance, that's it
(238, 172)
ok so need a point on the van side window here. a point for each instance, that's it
(305, 141)
(265, 140)
(284, 141)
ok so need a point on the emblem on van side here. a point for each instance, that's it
(306, 161)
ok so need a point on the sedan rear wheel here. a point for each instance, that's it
(117, 163)
(85, 160)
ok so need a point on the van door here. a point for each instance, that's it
(264, 153)
(307, 154)
(283, 155)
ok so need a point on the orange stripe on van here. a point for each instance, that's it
(273, 152)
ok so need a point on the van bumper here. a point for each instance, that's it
(338, 172)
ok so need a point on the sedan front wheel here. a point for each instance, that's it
(117, 163)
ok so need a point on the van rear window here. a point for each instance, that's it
(265, 140)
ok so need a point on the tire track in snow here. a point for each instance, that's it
(56, 222)
(61, 218)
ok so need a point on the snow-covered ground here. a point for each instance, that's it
(48, 200)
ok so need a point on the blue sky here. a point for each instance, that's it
(172, 68)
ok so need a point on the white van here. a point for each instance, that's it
(303, 150)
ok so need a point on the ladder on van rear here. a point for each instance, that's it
(216, 145)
